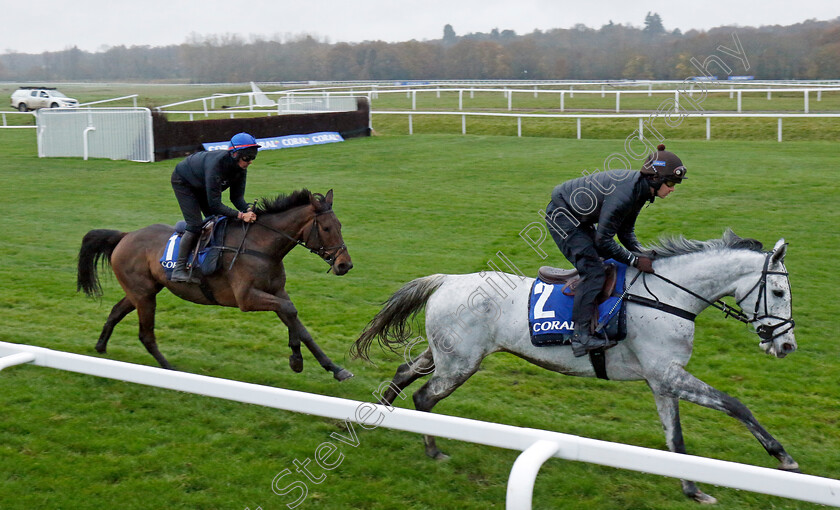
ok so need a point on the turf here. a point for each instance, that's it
(410, 206)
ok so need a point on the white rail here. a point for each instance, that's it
(132, 96)
(4, 121)
(578, 116)
(537, 445)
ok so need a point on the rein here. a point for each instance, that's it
(765, 332)
(322, 251)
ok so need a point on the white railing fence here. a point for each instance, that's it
(113, 133)
(645, 119)
(5, 117)
(537, 445)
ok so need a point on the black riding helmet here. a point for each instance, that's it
(663, 166)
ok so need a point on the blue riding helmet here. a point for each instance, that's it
(243, 141)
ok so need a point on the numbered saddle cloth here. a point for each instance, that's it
(210, 246)
(550, 312)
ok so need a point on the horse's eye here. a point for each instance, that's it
(326, 229)
(779, 293)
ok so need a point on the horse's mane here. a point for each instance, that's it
(283, 202)
(673, 246)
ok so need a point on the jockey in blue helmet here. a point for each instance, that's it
(198, 182)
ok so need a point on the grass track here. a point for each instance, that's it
(410, 206)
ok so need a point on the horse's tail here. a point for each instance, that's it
(95, 245)
(392, 325)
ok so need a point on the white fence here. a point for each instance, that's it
(286, 103)
(643, 117)
(6, 116)
(114, 133)
(537, 445)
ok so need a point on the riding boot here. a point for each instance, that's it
(583, 342)
(180, 272)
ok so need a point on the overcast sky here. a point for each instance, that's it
(95, 25)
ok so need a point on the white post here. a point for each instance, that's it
(731, 88)
(519, 126)
(602, 91)
(410, 125)
(413, 99)
(438, 92)
(461, 99)
(806, 100)
(510, 100)
(676, 101)
(617, 101)
(641, 129)
(708, 128)
(819, 95)
(578, 128)
(85, 140)
(4, 119)
(780, 129)
(562, 100)
(650, 89)
(768, 94)
(571, 91)
(204, 102)
(19, 359)
(463, 124)
(535, 92)
(739, 100)
(523, 474)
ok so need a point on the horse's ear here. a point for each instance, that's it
(328, 198)
(779, 251)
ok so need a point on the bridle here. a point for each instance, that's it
(767, 333)
(764, 331)
(329, 255)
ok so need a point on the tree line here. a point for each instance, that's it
(808, 50)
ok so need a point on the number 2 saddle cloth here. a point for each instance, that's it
(550, 310)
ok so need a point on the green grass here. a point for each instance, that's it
(410, 206)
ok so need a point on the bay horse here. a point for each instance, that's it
(466, 321)
(252, 276)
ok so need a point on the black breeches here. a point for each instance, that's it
(193, 203)
(577, 243)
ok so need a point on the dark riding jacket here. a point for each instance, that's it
(607, 201)
(212, 172)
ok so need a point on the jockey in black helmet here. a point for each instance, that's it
(198, 182)
(584, 216)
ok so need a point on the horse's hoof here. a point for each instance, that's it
(440, 457)
(296, 363)
(703, 498)
(793, 468)
(100, 349)
(342, 375)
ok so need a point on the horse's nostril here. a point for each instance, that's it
(788, 348)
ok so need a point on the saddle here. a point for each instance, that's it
(570, 279)
(210, 243)
(207, 231)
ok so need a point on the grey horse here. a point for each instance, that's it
(468, 318)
